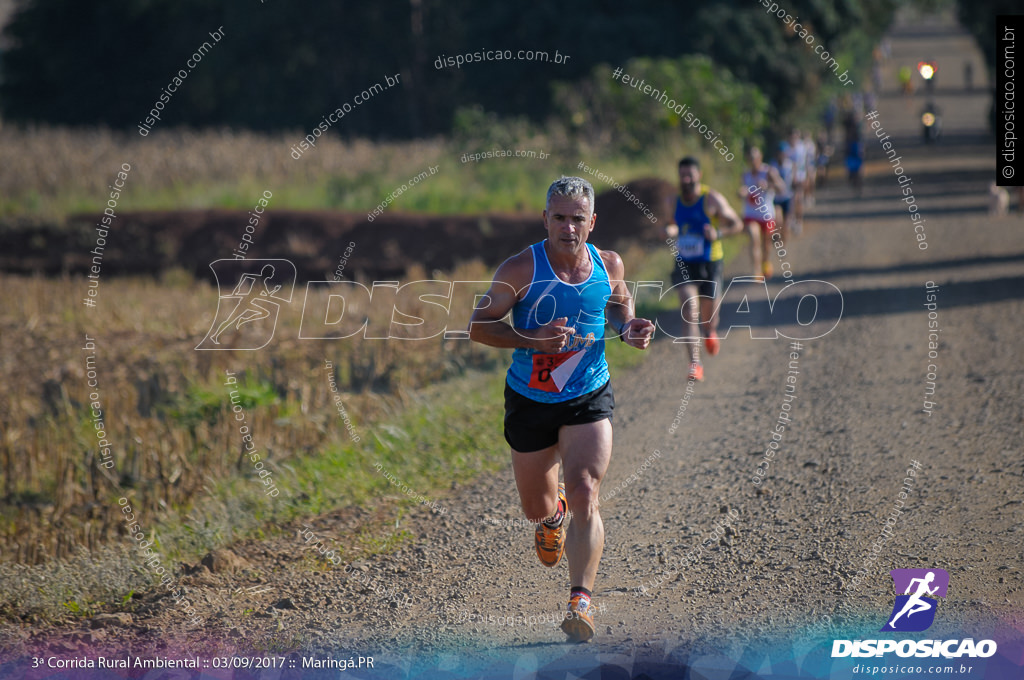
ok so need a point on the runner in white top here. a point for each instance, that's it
(811, 161)
(798, 154)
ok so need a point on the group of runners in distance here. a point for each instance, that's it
(562, 293)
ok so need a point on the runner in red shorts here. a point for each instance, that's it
(759, 186)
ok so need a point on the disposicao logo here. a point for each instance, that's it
(914, 611)
(254, 302)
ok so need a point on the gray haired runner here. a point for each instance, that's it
(561, 292)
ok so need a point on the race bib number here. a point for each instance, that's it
(690, 246)
(551, 371)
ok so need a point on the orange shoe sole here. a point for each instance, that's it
(550, 543)
(579, 626)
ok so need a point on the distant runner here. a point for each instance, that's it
(852, 131)
(810, 181)
(702, 218)
(803, 166)
(760, 183)
(558, 398)
(783, 165)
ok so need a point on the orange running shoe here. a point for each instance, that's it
(711, 343)
(766, 268)
(578, 623)
(696, 371)
(550, 543)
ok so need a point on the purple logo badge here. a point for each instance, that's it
(914, 610)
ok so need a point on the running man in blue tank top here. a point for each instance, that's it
(558, 399)
(702, 218)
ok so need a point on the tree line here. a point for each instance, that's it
(284, 65)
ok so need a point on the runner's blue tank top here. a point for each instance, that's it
(691, 244)
(581, 367)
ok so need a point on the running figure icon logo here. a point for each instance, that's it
(247, 316)
(914, 610)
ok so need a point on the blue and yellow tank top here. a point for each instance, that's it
(691, 244)
(581, 367)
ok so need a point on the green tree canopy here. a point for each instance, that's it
(285, 65)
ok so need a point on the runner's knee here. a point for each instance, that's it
(582, 498)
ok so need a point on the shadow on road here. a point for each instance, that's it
(813, 310)
(905, 267)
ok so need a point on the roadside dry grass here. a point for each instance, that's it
(164, 406)
(427, 411)
(48, 173)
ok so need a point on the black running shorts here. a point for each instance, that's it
(532, 425)
(707, 276)
(784, 206)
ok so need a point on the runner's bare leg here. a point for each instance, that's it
(586, 452)
(536, 475)
(709, 314)
(690, 307)
(754, 232)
